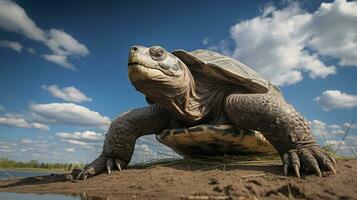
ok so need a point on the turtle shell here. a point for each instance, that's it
(224, 68)
(215, 140)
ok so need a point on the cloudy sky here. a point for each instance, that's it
(63, 74)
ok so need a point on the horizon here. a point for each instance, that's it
(63, 74)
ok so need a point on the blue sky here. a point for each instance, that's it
(63, 72)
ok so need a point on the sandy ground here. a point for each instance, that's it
(183, 181)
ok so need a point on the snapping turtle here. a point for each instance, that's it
(205, 103)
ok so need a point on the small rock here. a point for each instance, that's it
(69, 177)
(228, 189)
(217, 189)
(213, 181)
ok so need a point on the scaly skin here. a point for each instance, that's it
(283, 126)
(120, 140)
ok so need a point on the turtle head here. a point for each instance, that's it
(153, 64)
(156, 72)
(162, 77)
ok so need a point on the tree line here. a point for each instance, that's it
(8, 163)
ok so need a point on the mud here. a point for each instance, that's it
(193, 181)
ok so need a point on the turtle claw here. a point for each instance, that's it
(297, 170)
(333, 161)
(311, 158)
(285, 169)
(86, 172)
(286, 164)
(110, 165)
(117, 163)
(102, 163)
(317, 170)
(330, 167)
(80, 175)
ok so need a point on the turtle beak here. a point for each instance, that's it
(134, 53)
(140, 65)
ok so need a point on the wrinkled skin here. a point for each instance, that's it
(178, 97)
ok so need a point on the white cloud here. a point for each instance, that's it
(318, 127)
(76, 142)
(338, 132)
(59, 59)
(44, 149)
(332, 99)
(332, 134)
(142, 153)
(274, 46)
(326, 131)
(11, 44)
(348, 124)
(347, 147)
(12, 144)
(67, 93)
(14, 121)
(334, 142)
(333, 31)
(6, 150)
(62, 43)
(283, 44)
(2, 108)
(87, 136)
(4, 147)
(223, 46)
(94, 146)
(69, 113)
(85, 140)
(69, 149)
(143, 148)
(147, 148)
(40, 126)
(205, 41)
(334, 126)
(31, 50)
(25, 141)
(13, 18)
(41, 145)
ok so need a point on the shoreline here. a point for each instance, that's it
(182, 181)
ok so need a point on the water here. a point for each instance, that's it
(4, 174)
(29, 196)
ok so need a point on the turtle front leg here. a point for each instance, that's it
(284, 127)
(120, 140)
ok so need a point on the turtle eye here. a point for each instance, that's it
(157, 53)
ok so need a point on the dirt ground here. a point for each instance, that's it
(184, 181)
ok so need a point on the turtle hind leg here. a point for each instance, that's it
(283, 127)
